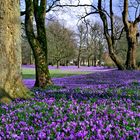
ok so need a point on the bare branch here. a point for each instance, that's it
(78, 5)
(104, 19)
(22, 13)
(137, 20)
(125, 13)
(52, 6)
(88, 14)
(112, 22)
(120, 34)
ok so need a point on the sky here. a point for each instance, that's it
(70, 16)
(67, 16)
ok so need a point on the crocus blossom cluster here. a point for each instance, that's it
(98, 106)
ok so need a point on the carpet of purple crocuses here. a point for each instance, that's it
(104, 105)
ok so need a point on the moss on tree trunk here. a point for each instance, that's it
(11, 85)
(38, 42)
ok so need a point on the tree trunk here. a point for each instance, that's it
(41, 67)
(67, 63)
(131, 34)
(131, 53)
(83, 62)
(112, 55)
(116, 61)
(31, 57)
(57, 63)
(131, 29)
(78, 61)
(92, 62)
(95, 60)
(11, 85)
(38, 43)
(88, 61)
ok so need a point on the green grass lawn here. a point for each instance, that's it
(29, 73)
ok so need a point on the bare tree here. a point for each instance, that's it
(109, 34)
(81, 37)
(91, 42)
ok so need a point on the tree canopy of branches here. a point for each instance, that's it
(109, 36)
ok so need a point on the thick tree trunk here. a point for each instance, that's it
(11, 85)
(38, 43)
(131, 53)
(41, 67)
(131, 29)
(131, 34)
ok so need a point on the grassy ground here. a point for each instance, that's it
(29, 73)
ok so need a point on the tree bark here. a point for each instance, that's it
(131, 30)
(131, 35)
(38, 42)
(11, 85)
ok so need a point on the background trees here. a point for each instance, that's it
(113, 31)
(81, 37)
(96, 40)
(61, 44)
(108, 12)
